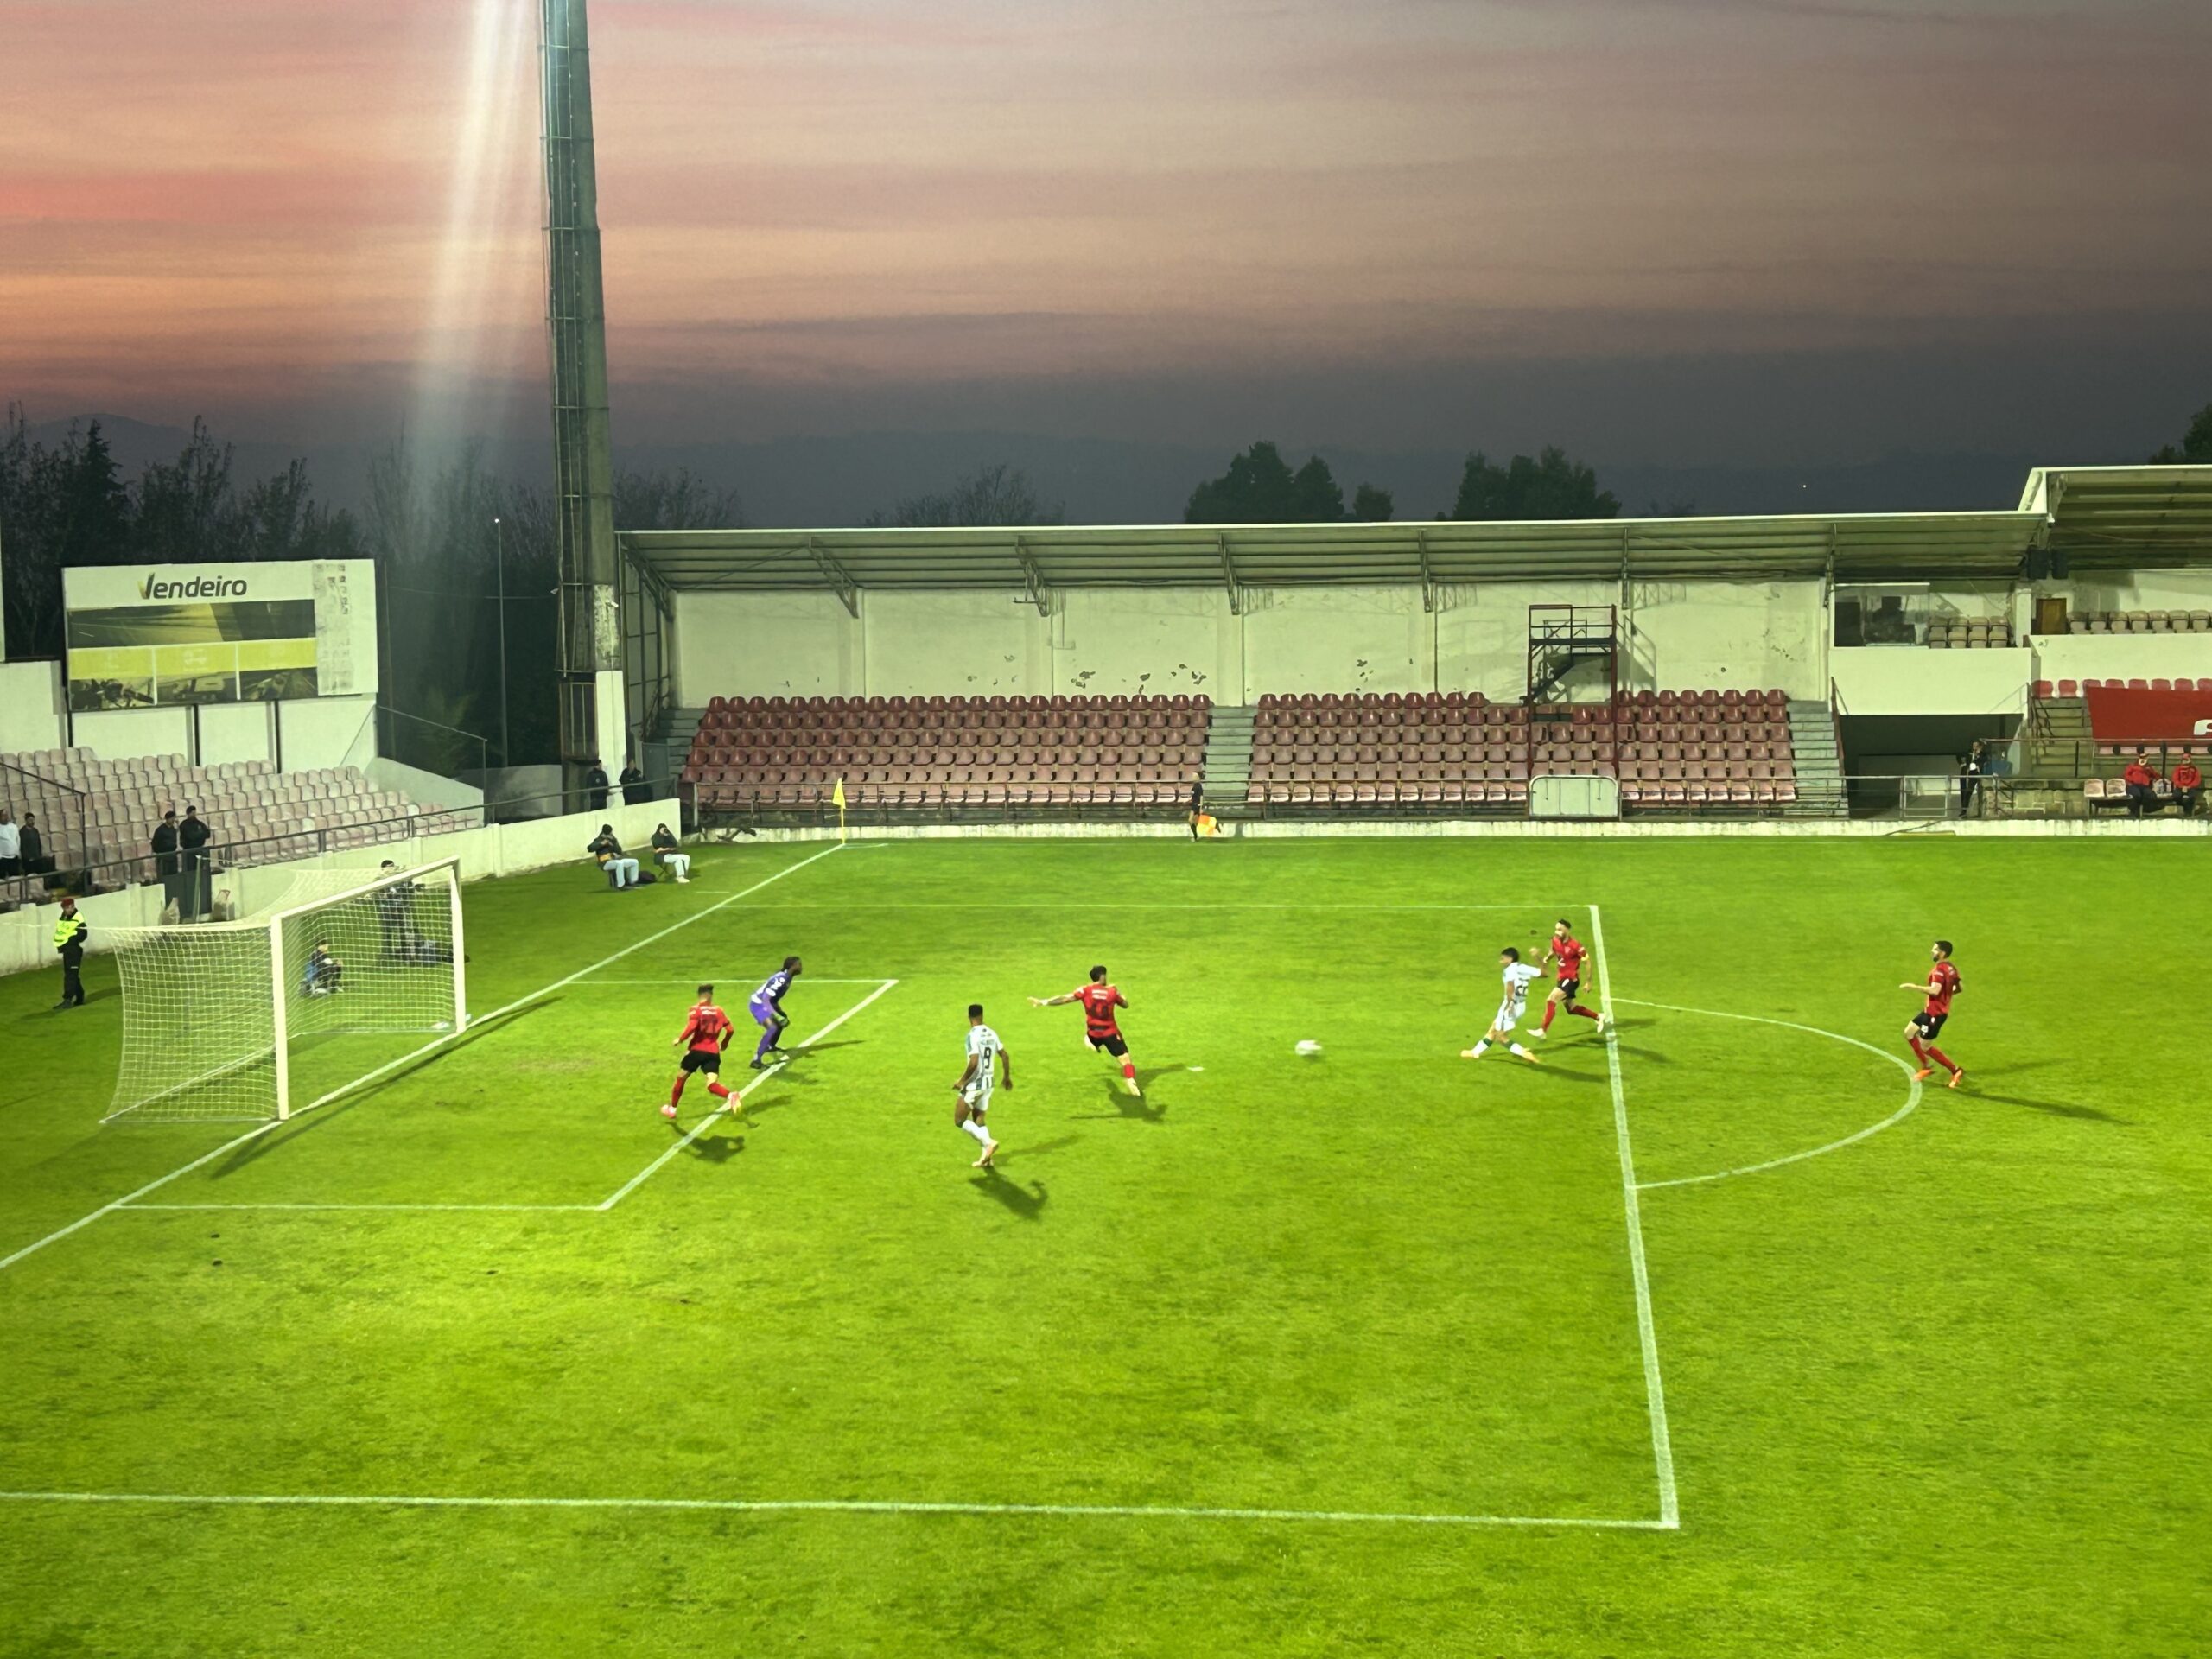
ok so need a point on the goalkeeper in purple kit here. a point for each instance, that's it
(767, 1007)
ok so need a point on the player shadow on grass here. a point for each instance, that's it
(293, 1128)
(1027, 1205)
(2050, 1108)
(716, 1148)
(1143, 1108)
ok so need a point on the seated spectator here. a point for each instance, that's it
(2141, 779)
(2188, 789)
(665, 853)
(621, 870)
(320, 976)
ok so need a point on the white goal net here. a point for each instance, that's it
(267, 1015)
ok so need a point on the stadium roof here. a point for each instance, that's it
(2106, 517)
(2096, 513)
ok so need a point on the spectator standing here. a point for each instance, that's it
(595, 783)
(165, 844)
(666, 854)
(32, 846)
(2188, 789)
(70, 933)
(11, 850)
(191, 837)
(2141, 779)
(1970, 773)
(622, 869)
(633, 780)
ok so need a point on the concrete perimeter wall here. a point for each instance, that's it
(27, 935)
(1156, 641)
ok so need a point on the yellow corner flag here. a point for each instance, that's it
(838, 795)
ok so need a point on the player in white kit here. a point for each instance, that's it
(1518, 976)
(987, 1061)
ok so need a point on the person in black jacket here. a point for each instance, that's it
(633, 785)
(165, 844)
(70, 933)
(595, 782)
(32, 846)
(191, 837)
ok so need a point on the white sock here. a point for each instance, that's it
(1480, 1044)
(982, 1135)
(1515, 1048)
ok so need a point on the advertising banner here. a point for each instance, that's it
(147, 637)
(2119, 715)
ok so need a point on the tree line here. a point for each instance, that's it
(449, 537)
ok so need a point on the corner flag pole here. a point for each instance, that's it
(838, 795)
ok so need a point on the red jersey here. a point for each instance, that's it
(1569, 951)
(1099, 1002)
(1942, 986)
(708, 1028)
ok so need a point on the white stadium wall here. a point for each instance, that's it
(1160, 641)
(31, 706)
(1145, 642)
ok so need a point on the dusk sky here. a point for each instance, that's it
(1654, 230)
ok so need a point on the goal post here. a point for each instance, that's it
(267, 1015)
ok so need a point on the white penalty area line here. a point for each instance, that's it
(853, 1506)
(1655, 1393)
(130, 1199)
(1053, 904)
(734, 978)
(736, 1099)
(1911, 1099)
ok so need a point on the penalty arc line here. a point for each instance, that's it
(1911, 1099)
(848, 1506)
(1655, 1393)
(236, 1141)
(737, 1098)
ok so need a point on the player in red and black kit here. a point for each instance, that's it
(1100, 1031)
(1567, 951)
(1921, 1030)
(705, 1031)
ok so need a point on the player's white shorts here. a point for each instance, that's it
(977, 1095)
(1509, 1015)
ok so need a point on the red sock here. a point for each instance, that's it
(1941, 1059)
(1918, 1052)
(1129, 1069)
(716, 1090)
(1588, 1013)
(676, 1093)
(1550, 1008)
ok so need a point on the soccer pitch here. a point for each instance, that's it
(1715, 1334)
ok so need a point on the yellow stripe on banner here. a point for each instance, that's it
(275, 653)
(111, 663)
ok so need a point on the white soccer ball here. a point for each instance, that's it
(1308, 1047)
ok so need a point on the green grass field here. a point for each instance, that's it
(1326, 1355)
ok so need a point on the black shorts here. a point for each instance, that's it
(1113, 1045)
(702, 1060)
(1931, 1024)
(1567, 988)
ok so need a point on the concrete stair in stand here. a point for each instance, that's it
(1819, 767)
(1229, 761)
